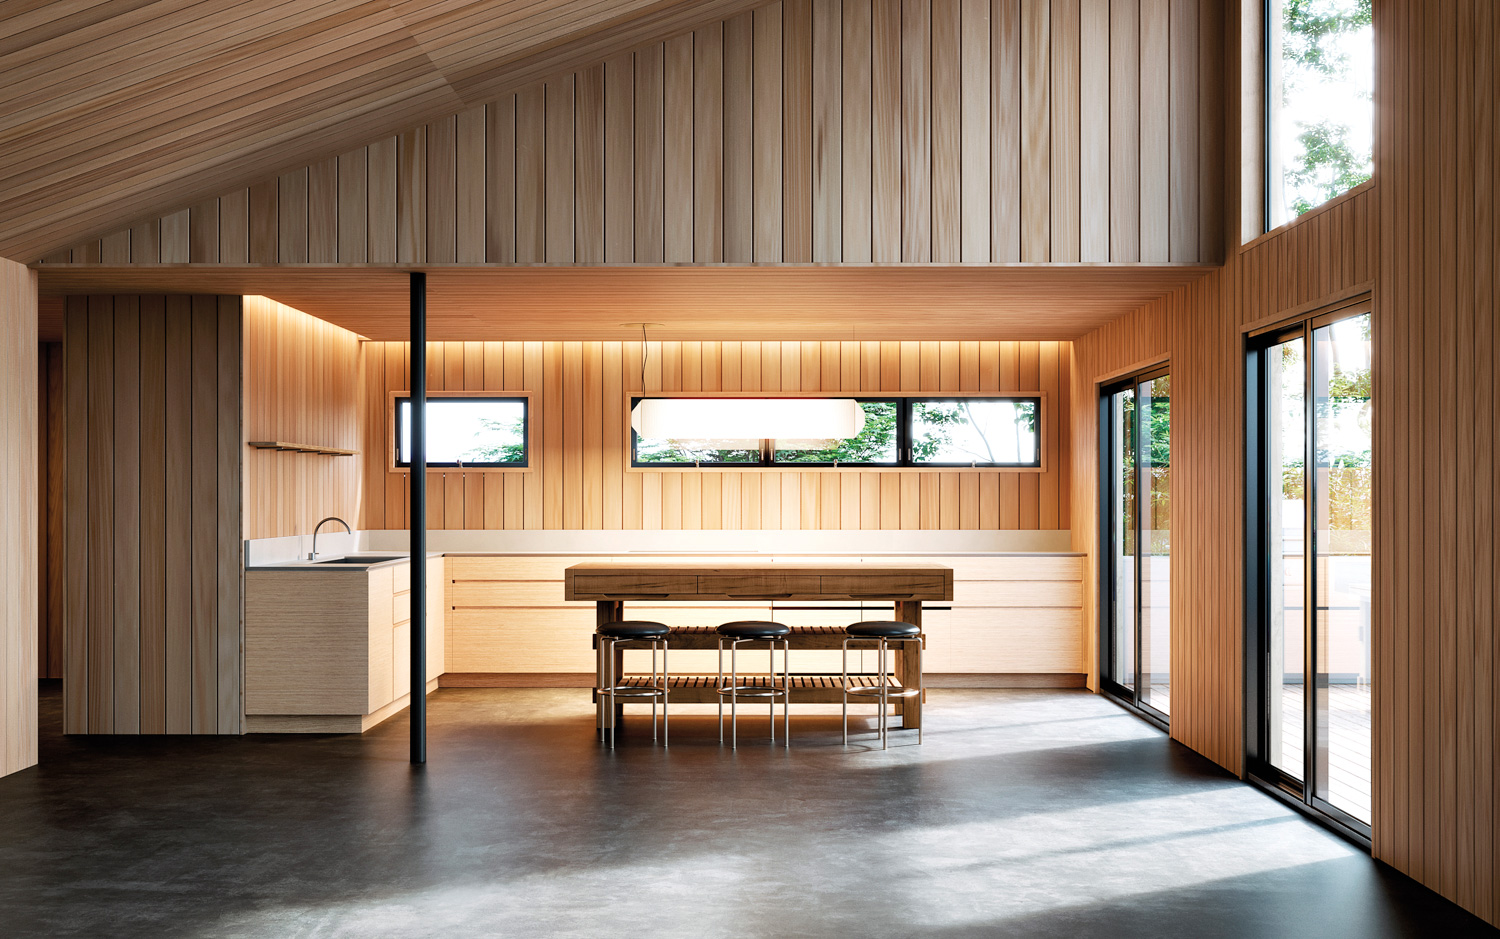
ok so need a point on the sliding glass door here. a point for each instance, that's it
(1136, 511)
(1310, 447)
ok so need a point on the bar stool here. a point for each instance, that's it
(744, 631)
(882, 633)
(611, 636)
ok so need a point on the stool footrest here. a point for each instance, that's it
(751, 691)
(877, 691)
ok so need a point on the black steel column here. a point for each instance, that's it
(418, 517)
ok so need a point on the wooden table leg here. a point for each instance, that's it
(909, 665)
(607, 611)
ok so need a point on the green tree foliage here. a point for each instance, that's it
(1328, 164)
(1310, 26)
(513, 450)
(936, 423)
(876, 443)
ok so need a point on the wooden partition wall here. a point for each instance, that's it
(1425, 242)
(579, 479)
(152, 515)
(50, 462)
(1438, 427)
(302, 386)
(868, 130)
(19, 566)
(1324, 256)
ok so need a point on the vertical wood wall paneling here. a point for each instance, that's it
(578, 477)
(19, 562)
(51, 461)
(882, 130)
(152, 401)
(1198, 329)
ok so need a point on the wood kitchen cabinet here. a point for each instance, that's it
(329, 651)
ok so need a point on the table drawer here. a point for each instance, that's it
(759, 584)
(591, 586)
(901, 586)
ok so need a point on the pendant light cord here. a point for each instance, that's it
(644, 353)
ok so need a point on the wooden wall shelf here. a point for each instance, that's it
(300, 448)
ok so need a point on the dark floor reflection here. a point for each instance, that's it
(1023, 813)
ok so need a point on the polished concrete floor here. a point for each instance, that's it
(1024, 813)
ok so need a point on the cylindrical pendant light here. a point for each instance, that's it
(748, 418)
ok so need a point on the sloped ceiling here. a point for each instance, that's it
(113, 109)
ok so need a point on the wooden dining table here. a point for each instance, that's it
(905, 586)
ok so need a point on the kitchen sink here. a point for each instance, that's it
(363, 559)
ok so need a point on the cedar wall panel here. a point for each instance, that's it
(153, 486)
(1435, 509)
(19, 567)
(49, 506)
(302, 385)
(855, 131)
(1200, 330)
(579, 477)
(1428, 248)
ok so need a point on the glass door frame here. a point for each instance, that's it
(1257, 573)
(1131, 695)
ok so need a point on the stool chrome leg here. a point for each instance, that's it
(720, 685)
(614, 715)
(666, 684)
(599, 676)
(771, 683)
(734, 685)
(844, 687)
(653, 685)
(786, 692)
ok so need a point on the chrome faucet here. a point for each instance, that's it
(331, 518)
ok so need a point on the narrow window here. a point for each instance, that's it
(1320, 112)
(975, 431)
(878, 443)
(1135, 433)
(1310, 460)
(469, 433)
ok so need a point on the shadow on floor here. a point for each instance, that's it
(1029, 813)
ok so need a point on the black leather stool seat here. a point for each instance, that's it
(634, 629)
(754, 629)
(882, 629)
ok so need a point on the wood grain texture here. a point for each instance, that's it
(20, 570)
(152, 404)
(1436, 433)
(1424, 239)
(1200, 331)
(579, 474)
(301, 384)
(1015, 615)
(760, 303)
(223, 93)
(966, 119)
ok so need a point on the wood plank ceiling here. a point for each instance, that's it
(564, 302)
(110, 109)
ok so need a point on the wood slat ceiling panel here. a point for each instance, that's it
(111, 110)
(705, 303)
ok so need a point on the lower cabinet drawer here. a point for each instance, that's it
(587, 586)
(758, 585)
(897, 586)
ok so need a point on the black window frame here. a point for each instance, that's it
(1301, 793)
(904, 459)
(1129, 696)
(398, 426)
(906, 426)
